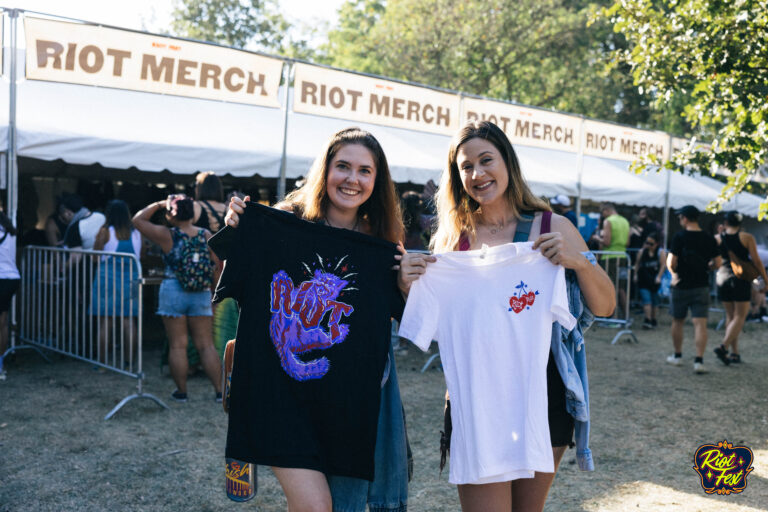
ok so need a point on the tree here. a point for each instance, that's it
(537, 52)
(235, 23)
(710, 56)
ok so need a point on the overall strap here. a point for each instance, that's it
(546, 222)
(524, 226)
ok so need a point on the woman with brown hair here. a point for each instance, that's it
(483, 203)
(350, 187)
(209, 202)
(184, 300)
(735, 293)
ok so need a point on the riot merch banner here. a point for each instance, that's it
(91, 55)
(332, 93)
(618, 142)
(527, 126)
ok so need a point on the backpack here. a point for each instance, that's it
(194, 266)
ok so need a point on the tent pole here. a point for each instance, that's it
(579, 171)
(12, 169)
(284, 157)
(666, 197)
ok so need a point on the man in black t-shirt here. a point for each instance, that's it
(692, 255)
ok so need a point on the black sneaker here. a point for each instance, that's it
(654, 322)
(647, 324)
(218, 397)
(722, 355)
(179, 396)
(735, 358)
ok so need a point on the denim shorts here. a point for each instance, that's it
(695, 298)
(649, 297)
(175, 301)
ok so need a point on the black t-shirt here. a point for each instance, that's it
(648, 270)
(312, 341)
(694, 250)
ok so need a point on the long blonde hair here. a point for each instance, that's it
(456, 210)
(381, 211)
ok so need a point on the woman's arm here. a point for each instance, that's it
(662, 265)
(755, 256)
(637, 264)
(101, 238)
(154, 232)
(563, 246)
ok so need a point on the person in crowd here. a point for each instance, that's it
(649, 225)
(561, 204)
(9, 280)
(185, 295)
(350, 175)
(733, 292)
(112, 299)
(649, 268)
(56, 226)
(416, 237)
(636, 238)
(614, 237)
(82, 223)
(483, 201)
(758, 311)
(209, 202)
(692, 254)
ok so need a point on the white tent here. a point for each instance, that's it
(152, 132)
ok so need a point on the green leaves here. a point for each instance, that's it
(235, 23)
(717, 50)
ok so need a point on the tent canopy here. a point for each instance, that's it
(153, 132)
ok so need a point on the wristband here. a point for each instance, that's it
(590, 257)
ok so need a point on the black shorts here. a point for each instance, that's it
(560, 421)
(8, 287)
(735, 290)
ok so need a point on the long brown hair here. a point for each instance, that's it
(381, 211)
(456, 210)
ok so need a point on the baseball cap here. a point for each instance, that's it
(561, 200)
(688, 211)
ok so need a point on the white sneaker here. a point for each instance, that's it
(699, 368)
(677, 361)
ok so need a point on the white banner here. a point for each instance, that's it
(332, 93)
(527, 126)
(608, 140)
(91, 55)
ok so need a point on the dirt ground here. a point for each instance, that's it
(57, 453)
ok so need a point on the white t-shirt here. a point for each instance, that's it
(8, 269)
(491, 311)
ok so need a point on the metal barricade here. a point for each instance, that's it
(86, 305)
(617, 265)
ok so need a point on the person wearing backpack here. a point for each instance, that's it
(185, 295)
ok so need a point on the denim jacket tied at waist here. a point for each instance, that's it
(569, 352)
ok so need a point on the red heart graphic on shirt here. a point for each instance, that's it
(530, 297)
(517, 304)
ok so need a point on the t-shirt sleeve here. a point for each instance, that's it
(421, 315)
(232, 279)
(676, 245)
(72, 236)
(221, 241)
(559, 306)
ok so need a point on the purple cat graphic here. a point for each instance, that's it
(295, 326)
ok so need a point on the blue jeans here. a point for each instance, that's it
(389, 490)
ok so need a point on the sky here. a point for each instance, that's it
(154, 15)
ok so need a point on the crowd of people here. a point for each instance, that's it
(514, 402)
